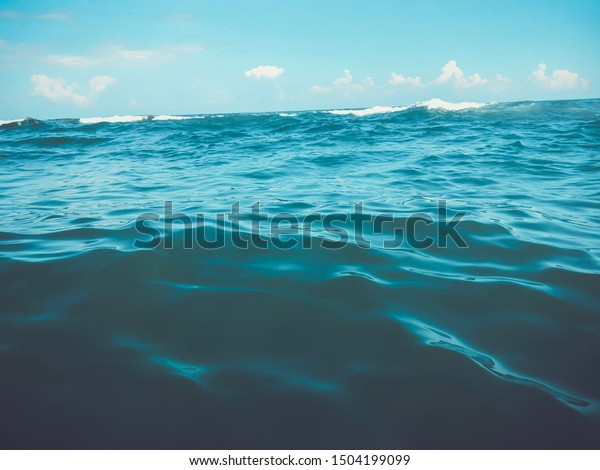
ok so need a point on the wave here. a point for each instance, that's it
(112, 119)
(122, 119)
(368, 111)
(434, 103)
(436, 337)
(11, 121)
(167, 117)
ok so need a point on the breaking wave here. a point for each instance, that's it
(434, 103)
(123, 119)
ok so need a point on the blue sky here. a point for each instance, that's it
(81, 58)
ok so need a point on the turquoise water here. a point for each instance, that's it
(108, 344)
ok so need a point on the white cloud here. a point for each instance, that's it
(476, 79)
(344, 80)
(57, 89)
(343, 84)
(264, 71)
(560, 79)
(121, 57)
(399, 79)
(452, 73)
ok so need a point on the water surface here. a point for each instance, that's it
(105, 345)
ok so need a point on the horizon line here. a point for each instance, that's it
(230, 113)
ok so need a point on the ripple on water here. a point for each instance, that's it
(435, 337)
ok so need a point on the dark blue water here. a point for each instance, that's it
(105, 343)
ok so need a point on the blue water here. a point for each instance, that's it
(105, 343)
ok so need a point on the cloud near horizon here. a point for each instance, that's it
(268, 72)
(452, 73)
(560, 79)
(399, 79)
(57, 89)
(345, 84)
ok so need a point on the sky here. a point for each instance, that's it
(74, 58)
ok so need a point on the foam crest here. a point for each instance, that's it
(112, 119)
(436, 103)
(11, 121)
(167, 117)
(368, 111)
(120, 119)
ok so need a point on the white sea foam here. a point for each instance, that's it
(96, 120)
(436, 103)
(159, 117)
(10, 121)
(368, 111)
(167, 117)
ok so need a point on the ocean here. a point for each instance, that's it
(409, 277)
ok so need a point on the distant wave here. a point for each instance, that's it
(17, 123)
(167, 117)
(11, 121)
(115, 119)
(96, 120)
(434, 103)
(368, 111)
